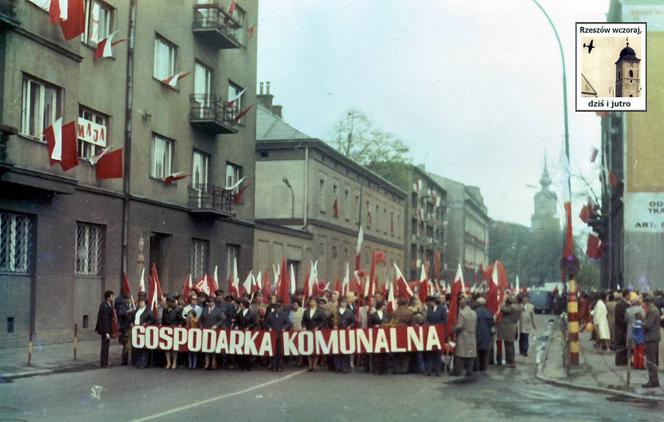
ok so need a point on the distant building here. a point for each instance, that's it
(321, 198)
(425, 224)
(466, 229)
(65, 237)
(545, 206)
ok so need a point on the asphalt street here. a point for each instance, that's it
(295, 395)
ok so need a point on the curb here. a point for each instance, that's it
(600, 390)
(83, 366)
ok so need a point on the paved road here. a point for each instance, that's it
(155, 394)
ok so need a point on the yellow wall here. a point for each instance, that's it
(644, 163)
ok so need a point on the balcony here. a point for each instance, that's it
(210, 201)
(212, 115)
(215, 26)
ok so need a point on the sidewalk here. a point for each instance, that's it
(596, 372)
(51, 358)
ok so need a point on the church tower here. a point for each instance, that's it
(627, 73)
(546, 201)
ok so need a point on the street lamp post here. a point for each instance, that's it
(572, 306)
(287, 183)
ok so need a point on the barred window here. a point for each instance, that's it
(15, 243)
(89, 249)
(199, 257)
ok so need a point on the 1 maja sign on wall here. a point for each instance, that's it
(293, 343)
(91, 132)
(644, 212)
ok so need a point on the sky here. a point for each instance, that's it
(473, 86)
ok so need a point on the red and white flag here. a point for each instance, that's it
(345, 283)
(203, 285)
(188, 287)
(258, 283)
(62, 144)
(235, 279)
(403, 289)
(70, 15)
(109, 165)
(172, 81)
(248, 283)
(234, 186)
(173, 177)
(105, 46)
(241, 114)
(267, 287)
(358, 249)
(391, 300)
(231, 7)
(423, 291)
(154, 292)
(214, 281)
(284, 283)
(594, 247)
(235, 97)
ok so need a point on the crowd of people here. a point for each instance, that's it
(476, 338)
(627, 323)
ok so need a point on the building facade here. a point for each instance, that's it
(467, 229)
(426, 224)
(631, 224)
(65, 237)
(306, 185)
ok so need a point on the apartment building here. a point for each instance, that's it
(66, 236)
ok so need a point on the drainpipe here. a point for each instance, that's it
(129, 105)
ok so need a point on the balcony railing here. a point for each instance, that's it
(214, 25)
(212, 200)
(212, 114)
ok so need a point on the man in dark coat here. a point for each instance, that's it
(344, 318)
(484, 324)
(104, 327)
(140, 316)
(651, 326)
(379, 318)
(277, 321)
(123, 307)
(436, 314)
(620, 329)
(402, 316)
(212, 317)
(313, 318)
(245, 319)
(508, 327)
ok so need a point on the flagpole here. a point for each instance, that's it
(573, 330)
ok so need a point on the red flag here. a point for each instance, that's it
(70, 15)
(335, 208)
(172, 81)
(267, 287)
(241, 114)
(284, 282)
(231, 7)
(492, 297)
(378, 257)
(187, 287)
(62, 144)
(237, 198)
(613, 179)
(125, 290)
(584, 215)
(437, 265)
(154, 291)
(594, 249)
(213, 286)
(110, 165)
(57, 10)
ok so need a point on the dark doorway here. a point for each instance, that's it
(158, 253)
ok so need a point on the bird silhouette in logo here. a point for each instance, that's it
(589, 46)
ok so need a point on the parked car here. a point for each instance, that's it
(542, 300)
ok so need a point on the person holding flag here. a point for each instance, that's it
(124, 305)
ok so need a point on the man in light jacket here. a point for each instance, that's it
(465, 329)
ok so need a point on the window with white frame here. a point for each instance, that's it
(162, 157)
(92, 132)
(233, 175)
(199, 257)
(233, 91)
(200, 169)
(40, 106)
(232, 255)
(15, 243)
(89, 249)
(164, 58)
(98, 21)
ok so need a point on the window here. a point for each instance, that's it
(40, 106)
(92, 132)
(233, 175)
(89, 249)
(346, 205)
(234, 90)
(98, 21)
(321, 196)
(15, 243)
(199, 257)
(200, 169)
(631, 74)
(202, 80)
(232, 254)
(164, 58)
(162, 157)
